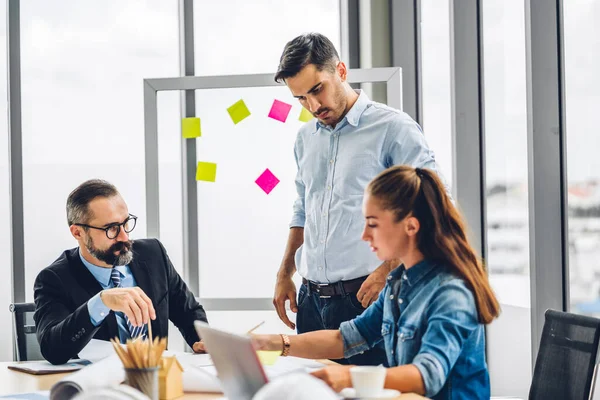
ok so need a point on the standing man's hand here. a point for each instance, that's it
(374, 284)
(285, 290)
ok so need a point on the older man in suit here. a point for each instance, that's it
(109, 286)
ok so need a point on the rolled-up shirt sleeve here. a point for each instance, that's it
(97, 310)
(364, 332)
(451, 319)
(354, 342)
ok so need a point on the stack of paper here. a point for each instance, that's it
(108, 372)
(199, 373)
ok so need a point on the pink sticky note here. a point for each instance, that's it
(280, 110)
(267, 181)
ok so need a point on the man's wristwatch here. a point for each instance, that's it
(286, 345)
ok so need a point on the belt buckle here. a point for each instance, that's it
(319, 290)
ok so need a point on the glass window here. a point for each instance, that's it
(235, 217)
(253, 37)
(82, 71)
(506, 193)
(5, 227)
(436, 88)
(242, 321)
(582, 95)
(506, 149)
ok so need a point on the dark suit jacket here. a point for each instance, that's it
(63, 289)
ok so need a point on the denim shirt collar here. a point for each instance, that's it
(354, 113)
(413, 274)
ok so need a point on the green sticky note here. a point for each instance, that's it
(238, 111)
(305, 115)
(206, 171)
(190, 128)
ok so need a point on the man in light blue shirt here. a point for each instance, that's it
(351, 141)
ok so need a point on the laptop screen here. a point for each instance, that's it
(237, 364)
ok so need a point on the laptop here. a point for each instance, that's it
(237, 364)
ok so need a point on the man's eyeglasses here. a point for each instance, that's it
(113, 230)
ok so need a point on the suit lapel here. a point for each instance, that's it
(142, 278)
(84, 277)
(88, 282)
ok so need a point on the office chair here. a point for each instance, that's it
(27, 347)
(565, 367)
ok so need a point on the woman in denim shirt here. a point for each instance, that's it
(431, 313)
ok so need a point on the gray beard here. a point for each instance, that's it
(124, 257)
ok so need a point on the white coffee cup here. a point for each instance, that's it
(368, 380)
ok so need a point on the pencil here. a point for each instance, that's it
(255, 328)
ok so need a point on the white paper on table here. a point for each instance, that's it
(201, 379)
(190, 359)
(107, 372)
(39, 395)
(197, 378)
(97, 350)
(288, 365)
(199, 374)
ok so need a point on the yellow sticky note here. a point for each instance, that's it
(238, 111)
(268, 357)
(190, 128)
(206, 171)
(305, 115)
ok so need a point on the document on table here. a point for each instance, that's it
(41, 395)
(288, 365)
(190, 359)
(45, 368)
(107, 372)
(97, 350)
(200, 375)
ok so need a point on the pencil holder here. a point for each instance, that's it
(143, 379)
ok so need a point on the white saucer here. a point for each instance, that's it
(350, 393)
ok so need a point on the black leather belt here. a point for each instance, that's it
(342, 288)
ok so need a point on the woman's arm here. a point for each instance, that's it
(405, 378)
(316, 345)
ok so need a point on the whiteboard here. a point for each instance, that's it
(242, 231)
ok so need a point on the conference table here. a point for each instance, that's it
(15, 382)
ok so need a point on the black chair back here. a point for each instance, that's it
(27, 347)
(565, 367)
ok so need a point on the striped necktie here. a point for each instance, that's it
(134, 331)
